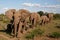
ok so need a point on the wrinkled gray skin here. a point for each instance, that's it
(44, 19)
(34, 18)
(19, 21)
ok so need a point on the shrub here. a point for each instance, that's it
(33, 33)
(37, 32)
(54, 35)
(29, 36)
(5, 21)
(57, 16)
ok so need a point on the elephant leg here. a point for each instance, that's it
(42, 22)
(12, 30)
(34, 22)
(30, 24)
(19, 30)
(15, 30)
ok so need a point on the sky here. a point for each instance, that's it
(31, 5)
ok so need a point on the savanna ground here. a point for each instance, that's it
(48, 28)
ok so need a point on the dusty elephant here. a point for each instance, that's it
(44, 19)
(34, 18)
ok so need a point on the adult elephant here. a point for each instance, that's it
(34, 18)
(44, 19)
(50, 16)
(10, 15)
(19, 21)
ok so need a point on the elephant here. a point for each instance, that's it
(44, 19)
(50, 16)
(10, 15)
(19, 21)
(34, 18)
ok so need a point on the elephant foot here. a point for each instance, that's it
(19, 35)
(14, 36)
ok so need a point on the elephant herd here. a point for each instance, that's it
(23, 19)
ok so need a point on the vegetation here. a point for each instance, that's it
(33, 33)
(56, 16)
(55, 35)
(3, 18)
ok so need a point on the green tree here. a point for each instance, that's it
(40, 13)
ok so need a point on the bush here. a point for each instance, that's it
(33, 33)
(57, 16)
(54, 35)
(40, 13)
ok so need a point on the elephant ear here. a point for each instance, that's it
(9, 13)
